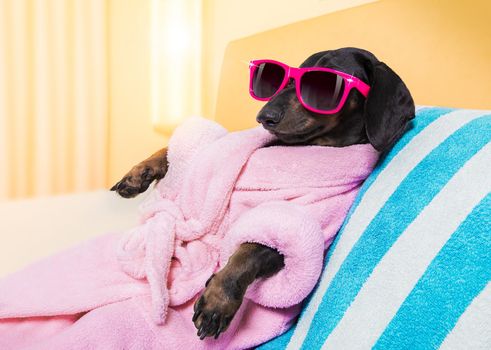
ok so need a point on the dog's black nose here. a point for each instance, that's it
(269, 118)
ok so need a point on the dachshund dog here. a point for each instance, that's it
(378, 119)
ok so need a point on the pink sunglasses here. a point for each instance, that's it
(320, 90)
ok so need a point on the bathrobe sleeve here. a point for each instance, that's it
(186, 141)
(194, 134)
(287, 228)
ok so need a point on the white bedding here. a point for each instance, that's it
(34, 228)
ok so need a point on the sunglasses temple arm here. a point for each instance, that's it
(362, 87)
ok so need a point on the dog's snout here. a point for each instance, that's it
(269, 118)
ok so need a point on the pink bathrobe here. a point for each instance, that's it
(136, 290)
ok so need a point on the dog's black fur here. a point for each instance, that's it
(379, 119)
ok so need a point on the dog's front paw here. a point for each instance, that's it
(216, 307)
(136, 181)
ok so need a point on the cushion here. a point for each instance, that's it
(411, 266)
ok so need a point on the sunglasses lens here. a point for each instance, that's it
(267, 79)
(321, 90)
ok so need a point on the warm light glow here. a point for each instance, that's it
(175, 62)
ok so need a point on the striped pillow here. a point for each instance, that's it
(411, 267)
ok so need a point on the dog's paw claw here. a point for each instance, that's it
(135, 182)
(214, 309)
(209, 279)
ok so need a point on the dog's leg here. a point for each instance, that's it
(225, 290)
(142, 175)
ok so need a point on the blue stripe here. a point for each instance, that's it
(424, 117)
(454, 278)
(278, 343)
(416, 190)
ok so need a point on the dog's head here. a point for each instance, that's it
(379, 119)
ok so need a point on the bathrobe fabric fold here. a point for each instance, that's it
(136, 289)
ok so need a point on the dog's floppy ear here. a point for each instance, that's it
(388, 108)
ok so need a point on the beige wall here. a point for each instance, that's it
(53, 96)
(74, 94)
(132, 136)
(442, 51)
(227, 20)
(124, 75)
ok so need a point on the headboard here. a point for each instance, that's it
(441, 49)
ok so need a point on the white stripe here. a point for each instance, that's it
(81, 102)
(62, 84)
(400, 269)
(98, 94)
(375, 197)
(42, 108)
(19, 108)
(4, 140)
(473, 329)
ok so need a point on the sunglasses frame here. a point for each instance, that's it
(350, 82)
